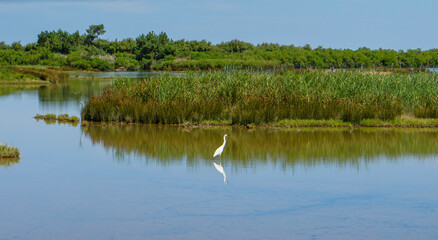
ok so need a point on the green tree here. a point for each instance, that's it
(93, 32)
(17, 46)
(3, 45)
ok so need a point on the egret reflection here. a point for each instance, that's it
(221, 170)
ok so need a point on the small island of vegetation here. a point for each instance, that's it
(287, 98)
(62, 118)
(9, 152)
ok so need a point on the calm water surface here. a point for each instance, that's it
(156, 182)
(116, 74)
(434, 70)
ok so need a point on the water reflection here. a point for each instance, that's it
(74, 90)
(434, 70)
(7, 162)
(285, 148)
(70, 91)
(117, 74)
(11, 89)
(54, 121)
(221, 170)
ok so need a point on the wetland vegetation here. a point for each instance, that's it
(31, 75)
(242, 97)
(8, 151)
(62, 118)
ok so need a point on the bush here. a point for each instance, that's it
(101, 64)
(82, 64)
(126, 61)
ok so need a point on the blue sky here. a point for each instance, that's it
(350, 24)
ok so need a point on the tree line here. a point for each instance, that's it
(153, 51)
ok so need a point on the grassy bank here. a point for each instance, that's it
(9, 152)
(242, 97)
(31, 75)
(398, 122)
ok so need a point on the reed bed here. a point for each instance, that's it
(45, 74)
(242, 97)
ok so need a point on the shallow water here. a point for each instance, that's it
(157, 182)
(117, 74)
(434, 70)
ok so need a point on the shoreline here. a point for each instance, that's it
(31, 75)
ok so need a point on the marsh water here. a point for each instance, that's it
(119, 181)
(134, 75)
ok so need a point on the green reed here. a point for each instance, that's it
(244, 97)
(9, 151)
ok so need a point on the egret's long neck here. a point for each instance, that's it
(225, 140)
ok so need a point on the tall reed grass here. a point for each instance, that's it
(50, 75)
(243, 97)
(9, 151)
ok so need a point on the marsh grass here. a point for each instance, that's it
(31, 75)
(50, 75)
(310, 123)
(402, 121)
(49, 116)
(241, 97)
(9, 152)
(8, 75)
(73, 119)
(62, 118)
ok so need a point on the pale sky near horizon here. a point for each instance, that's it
(393, 24)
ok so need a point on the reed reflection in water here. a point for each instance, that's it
(8, 162)
(286, 148)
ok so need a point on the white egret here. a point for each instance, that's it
(220, 169)
(220, 149)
